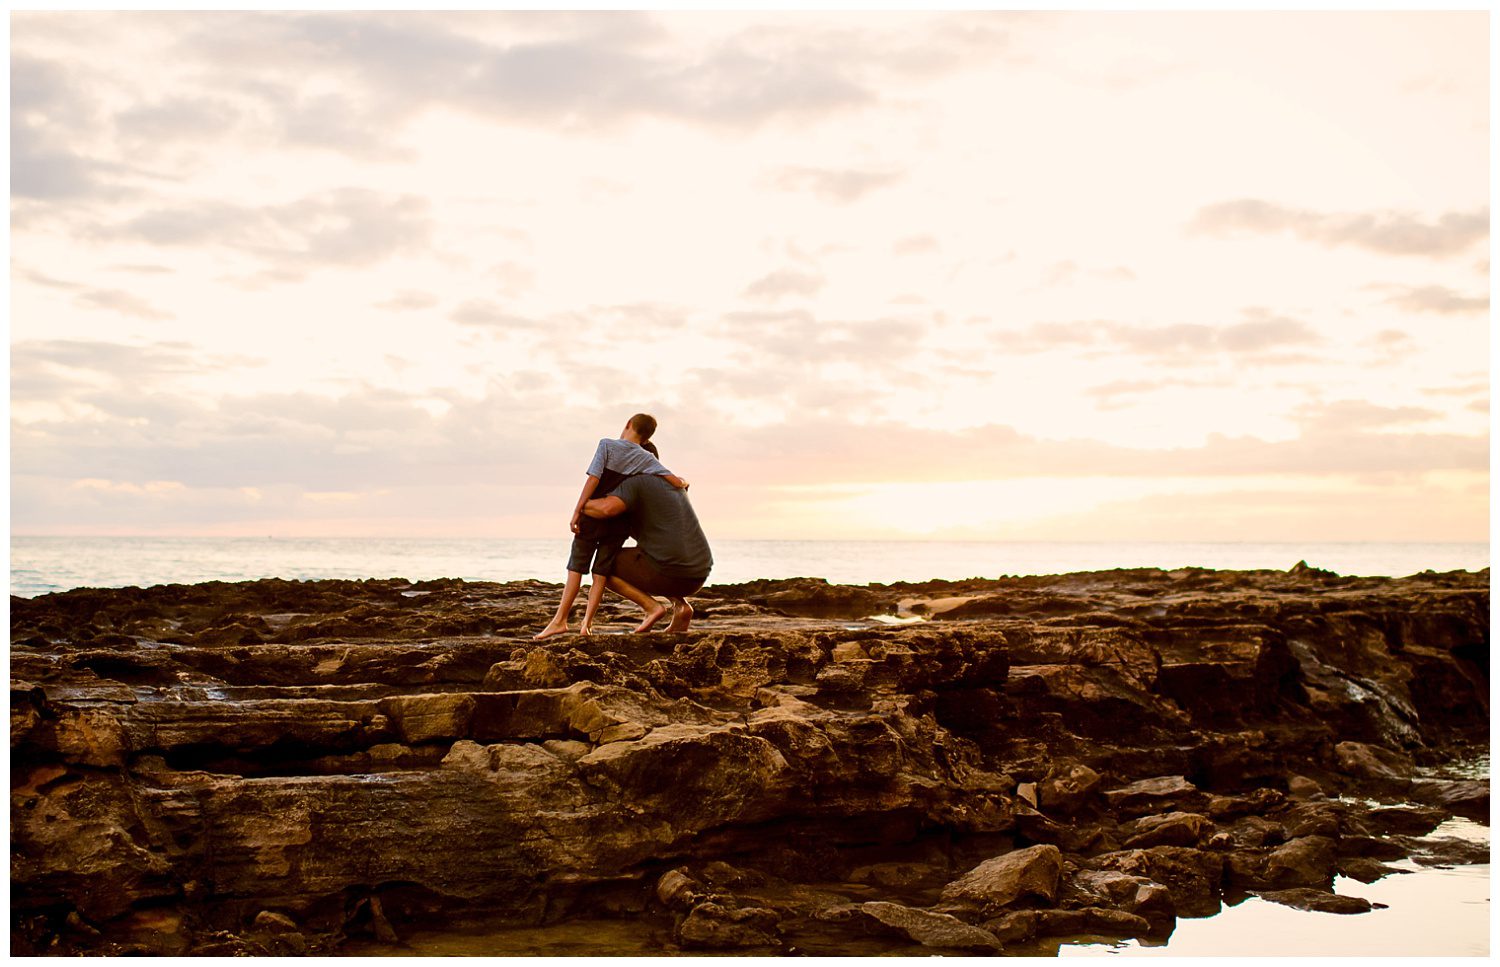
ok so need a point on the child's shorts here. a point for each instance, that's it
(595, 547)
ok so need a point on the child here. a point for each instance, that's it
(599, 540)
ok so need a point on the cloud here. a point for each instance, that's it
(408, 300)
(579, 72)
(49, 110)
(1120, 393)
(1343, 416)
(798, 339)
(1437, 299)
(490, 315)
(841, 186)
(148, 126)
(1063, 273)
(124, 303)
(69, 370)
(1386, 232)
(783, 283)
(916, 245)
(348, 227)
(1253, 340)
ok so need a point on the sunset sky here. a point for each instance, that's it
(1088, 276)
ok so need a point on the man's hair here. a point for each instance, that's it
(644, 424)
(650, 448)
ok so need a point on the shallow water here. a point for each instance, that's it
(1431, 912)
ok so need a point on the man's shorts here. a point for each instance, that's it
(634, 567)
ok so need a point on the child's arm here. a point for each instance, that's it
(674, 480)
(589, 483)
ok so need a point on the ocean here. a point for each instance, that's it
(40, 565)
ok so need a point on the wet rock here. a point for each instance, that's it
(999, 882)
(1448, 851)
(1407, 820)
(1364, 870)
(1319, 901)
(931, 929)
(1467, 798)
(1307, 861)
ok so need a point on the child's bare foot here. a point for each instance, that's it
(552, 629)
(585, 629)
(652, 617)
(682, 616)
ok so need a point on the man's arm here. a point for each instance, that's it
(604, 507)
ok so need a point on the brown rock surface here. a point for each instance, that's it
(275, 767)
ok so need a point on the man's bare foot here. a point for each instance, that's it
(552, 629)
(652, 617)
(682, 616)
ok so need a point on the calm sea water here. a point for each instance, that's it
(39, 565)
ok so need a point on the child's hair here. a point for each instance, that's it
(650, 448)
(644, 424)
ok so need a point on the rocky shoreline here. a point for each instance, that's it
(279, 767)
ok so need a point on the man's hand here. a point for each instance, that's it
(573, 524)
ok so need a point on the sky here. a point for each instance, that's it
(1014, 276)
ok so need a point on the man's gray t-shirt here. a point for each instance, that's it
(665, 527)
(623, 457)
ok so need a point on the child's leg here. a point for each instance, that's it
(596, 594)
(559, 623)
(604, 566)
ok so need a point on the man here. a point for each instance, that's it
(670, 557)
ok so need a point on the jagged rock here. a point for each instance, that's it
(1307, 861)
(999, 882)
(1135, 895)
(1320, 901)
(1168, 829)
(1068, 786)
(1192, 876)
(712, 926)
(1157, 795)
(357, 756)
(1301, 787)
(929, 928)
(1253, 831)
(1372, 761)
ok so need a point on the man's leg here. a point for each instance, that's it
(652, 607)
(559, 623)
(682, 615)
